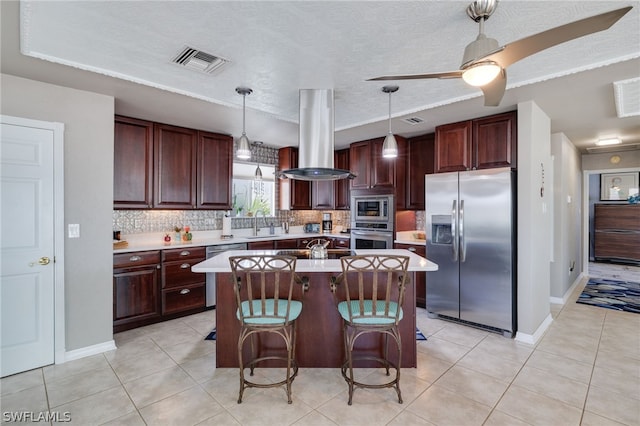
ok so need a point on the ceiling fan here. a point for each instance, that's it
(485, 63)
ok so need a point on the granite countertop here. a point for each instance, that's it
(142, 242)
(220, 263)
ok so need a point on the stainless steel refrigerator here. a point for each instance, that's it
(470, 229)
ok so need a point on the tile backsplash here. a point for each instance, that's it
(150, 221)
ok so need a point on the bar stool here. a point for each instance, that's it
(374, 287)
(264, 288)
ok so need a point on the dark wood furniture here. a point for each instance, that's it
(482, 143)
(167, 167)
(420, 277)
(154, 286)
(136, 289)
(182, 290)
(133, 164)
(420, 162)
(617, 232)
(294, 194)
(333, 194)
(372, 170)
(319, 331)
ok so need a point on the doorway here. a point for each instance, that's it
(32, 281)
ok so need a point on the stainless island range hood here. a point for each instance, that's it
(316, 138)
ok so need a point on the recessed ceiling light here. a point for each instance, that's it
(610, 141)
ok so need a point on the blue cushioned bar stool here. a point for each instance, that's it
(371, 302)
(264, 288)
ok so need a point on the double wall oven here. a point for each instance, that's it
(372, 219)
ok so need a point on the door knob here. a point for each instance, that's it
(44, 260)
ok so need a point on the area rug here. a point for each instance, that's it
(612, 294)
(419, 335)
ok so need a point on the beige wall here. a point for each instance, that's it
(628, 159)
(88, 197)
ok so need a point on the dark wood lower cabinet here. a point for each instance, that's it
(319, 341)
(154, 286)
(420, 278)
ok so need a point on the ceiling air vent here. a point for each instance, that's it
(627, 96)
(198, 60)
(413, 120)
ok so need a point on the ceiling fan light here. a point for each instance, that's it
(390, 146)
(481, 73)
(243, 152)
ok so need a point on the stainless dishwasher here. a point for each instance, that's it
(211, 277)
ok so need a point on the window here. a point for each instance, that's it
(251, 196)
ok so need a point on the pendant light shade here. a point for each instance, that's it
(258, 173)
(390, 145)
(243, 152)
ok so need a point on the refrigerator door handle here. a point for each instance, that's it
(463, 245)
(454, 230)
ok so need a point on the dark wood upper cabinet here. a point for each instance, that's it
(175, 167)
(342, 194)
(215, 168)
(132, 163)
(453, 147)
(495, 141)
(372, 170)
(294, 194)
(420, 162)
(483, 143)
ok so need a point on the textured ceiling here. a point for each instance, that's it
(277, 47)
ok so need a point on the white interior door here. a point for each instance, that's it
(27, 248)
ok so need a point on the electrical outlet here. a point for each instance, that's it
(74, 230)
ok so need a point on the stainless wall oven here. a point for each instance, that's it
(372, 219)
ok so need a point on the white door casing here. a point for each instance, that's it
(31, 288)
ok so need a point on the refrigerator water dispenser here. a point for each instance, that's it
(441, 229)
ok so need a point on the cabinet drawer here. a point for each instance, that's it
(183, 298)
(618, 245)
(185, 253)
(138, 258)
(341, 243)
(176, 274)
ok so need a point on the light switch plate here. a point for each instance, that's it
(74, 230)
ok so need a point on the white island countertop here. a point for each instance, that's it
(220, 263)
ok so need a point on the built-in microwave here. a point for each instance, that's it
(372, 209)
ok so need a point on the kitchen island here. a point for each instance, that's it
(319, 327)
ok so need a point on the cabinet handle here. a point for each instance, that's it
(185, 291)
(185, 253)
(185, 266)
(134, 258)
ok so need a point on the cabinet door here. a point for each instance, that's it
(132, 163)
(294, 194)
(495, 141)
(453, 147)
(420, 277)
(360, 164)
(215, 168)
(342, 195)
(175, 167)
(260, 245)
(383, 173)
(135, 295)
(419, 163)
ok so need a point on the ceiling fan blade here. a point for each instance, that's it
(449, 74)
(528, 46)
(494, 91)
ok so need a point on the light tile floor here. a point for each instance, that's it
(584, 371)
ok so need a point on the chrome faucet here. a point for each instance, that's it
(256, 228)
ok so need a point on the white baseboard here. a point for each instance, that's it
(563, 300)
(532, 339)
(88, 351)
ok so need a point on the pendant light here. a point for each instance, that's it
(390, 146)
(258, 173)
(243, 151)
